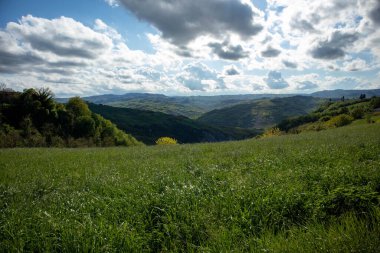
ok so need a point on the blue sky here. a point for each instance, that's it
(198, 47)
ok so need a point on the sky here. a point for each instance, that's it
(183, 47)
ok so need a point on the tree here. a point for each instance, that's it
(362, 96)
(78, 107)
(84, 126)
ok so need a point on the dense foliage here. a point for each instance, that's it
(148, 126)
(312, 192)
(331, 114)
(32, 118)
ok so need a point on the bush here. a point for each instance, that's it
(375, 102)
(368, 119)
(84, 126)
(166, 141)
(357, 113)
(340, 120)
(275, 131)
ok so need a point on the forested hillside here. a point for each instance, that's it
(260, 114)
(188, 106)
(333, 114)
(148, 126)
(32, 118)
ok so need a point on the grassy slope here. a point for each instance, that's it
(148, 126)
(260, 114)
(310, 192)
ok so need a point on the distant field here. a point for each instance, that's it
(311, 192)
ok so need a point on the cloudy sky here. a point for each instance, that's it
(189, 47)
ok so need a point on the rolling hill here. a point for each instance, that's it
(260, 114)
(194, 106)
(148, 126)
(188, 106)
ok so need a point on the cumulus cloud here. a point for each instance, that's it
(306, 85)
(355, 65)
(231, 70)
(228, 52)
(270, 52)
(199, 77)
(182, 21)
(113, 3)
(334, 46)
(62, 37)
(289, 64)
(302, 25)
(342, 82)
(275, 80)
(375, 13)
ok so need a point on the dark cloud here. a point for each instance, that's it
(270, 52)
(375, 13)
(17, 62)
(290, 64)
(64, 80)
(228, 52)
(306, 85)
(72, 48)
(333, 48)
(275, 80)
(184, 51)
(181, 21)
(65, 64)
(303, 25)
(231, 71)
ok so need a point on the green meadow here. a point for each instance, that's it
(310, 192)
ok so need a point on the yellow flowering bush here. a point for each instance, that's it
(166, 141)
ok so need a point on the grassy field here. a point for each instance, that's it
(310, 192)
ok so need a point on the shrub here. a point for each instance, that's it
(345, 199)
(375, 102)
(275, 131)
(368, 119)
(340, 120)
(166, 141)
(357, 113)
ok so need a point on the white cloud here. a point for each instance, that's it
(355, 65)
(112, 3)
(275, 80)
(292, 38)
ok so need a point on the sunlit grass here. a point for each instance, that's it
(299, 193)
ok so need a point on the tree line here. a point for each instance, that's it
(33, 118)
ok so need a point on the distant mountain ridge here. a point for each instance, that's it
(195, 106)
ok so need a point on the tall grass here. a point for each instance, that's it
(301, 193)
